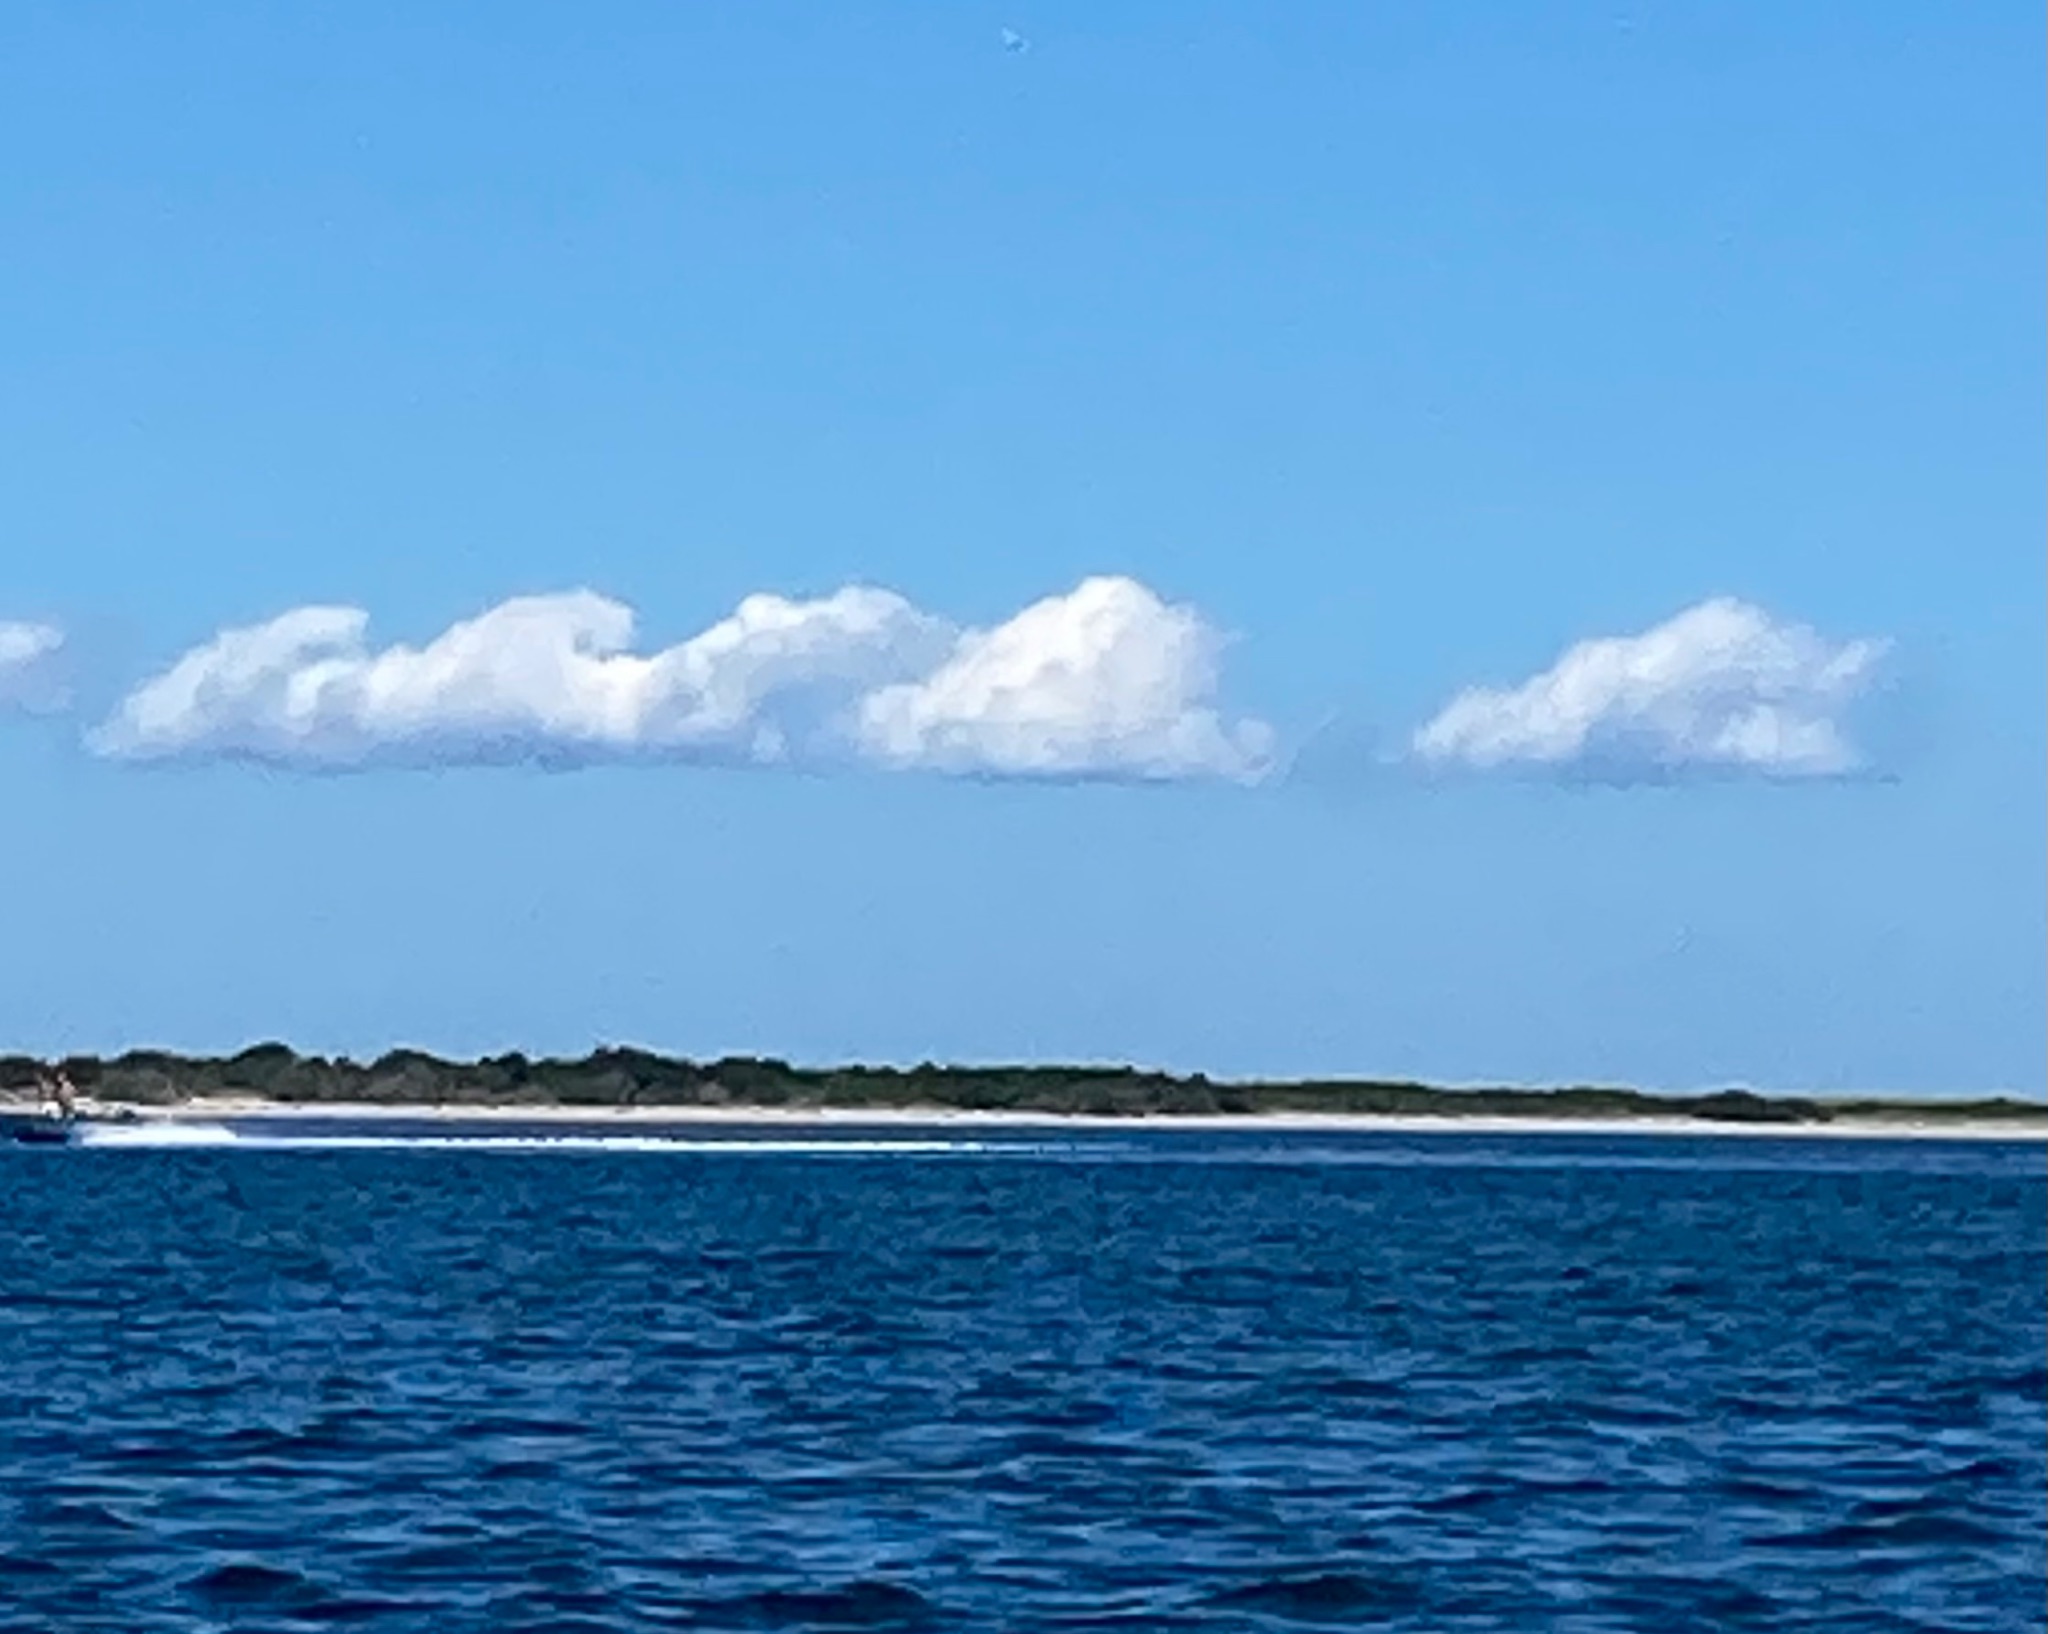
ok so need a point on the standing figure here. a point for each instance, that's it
(56, 1095)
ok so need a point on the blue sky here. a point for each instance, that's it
(1356, 357)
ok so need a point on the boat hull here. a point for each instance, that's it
(39, 1129)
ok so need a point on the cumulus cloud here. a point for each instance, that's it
(28, 665)
(1723, 688)
(551, 677)
(1108, 681)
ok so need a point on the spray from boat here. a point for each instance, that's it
(132, 1132)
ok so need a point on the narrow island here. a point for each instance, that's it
(623, 1080)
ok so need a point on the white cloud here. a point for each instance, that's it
(549, 677)
(1722, 688)
(1107, 681)
(28, 658)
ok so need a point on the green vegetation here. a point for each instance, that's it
(612, 1078)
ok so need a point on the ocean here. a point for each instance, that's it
(274, 1378)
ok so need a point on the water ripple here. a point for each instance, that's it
(1228, 1383)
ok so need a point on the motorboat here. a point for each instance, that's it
(49, 1127)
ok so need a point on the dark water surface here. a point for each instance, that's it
(1128, 1382)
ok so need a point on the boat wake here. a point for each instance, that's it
(160, 1135)
(737, 1147)
(155, 1134)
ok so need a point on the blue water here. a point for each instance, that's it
(1136, 1381)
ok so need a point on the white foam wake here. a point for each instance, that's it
(158, 1134)
(155, 1133)
(588, 1143)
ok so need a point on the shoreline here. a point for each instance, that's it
(644, 1118)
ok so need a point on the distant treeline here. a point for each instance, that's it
(609, 1078)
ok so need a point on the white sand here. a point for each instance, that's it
(698, 1117)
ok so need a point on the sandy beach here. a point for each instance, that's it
(645, 1118)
